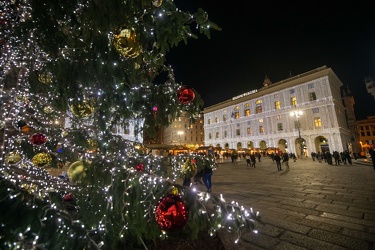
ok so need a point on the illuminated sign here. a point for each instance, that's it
(245, 94)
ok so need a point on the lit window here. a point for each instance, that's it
(224, 118)
(258, 109)
(317, 122)
(278, 117)
(277, 105)
(247, 105)
(209, 121)
(247, 112)
(293, 101)
(258, 102)
(216, 119)
(236, 108)
(261, 120)
(261, 129)
(237, 115)
(249, 131)
(217, 135)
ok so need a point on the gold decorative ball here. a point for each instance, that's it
(13, 158)
(76, 170)
(157, 3)
(45, 77)
(82, 110)
(47, 109)
(42, 159)
(126, 43)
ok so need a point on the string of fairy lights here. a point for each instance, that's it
(29, 120)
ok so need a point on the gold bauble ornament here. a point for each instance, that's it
(157, 3)
(82, 110)
(45, 77)
(93, 145)
(47, 109)
(13, 158)
(42, 159)
(77, 170)
(126, 43)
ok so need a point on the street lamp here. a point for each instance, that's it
(297, 114)
(179, 135)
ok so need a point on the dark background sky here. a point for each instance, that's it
(278, 38)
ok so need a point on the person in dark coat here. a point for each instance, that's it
(278, 161)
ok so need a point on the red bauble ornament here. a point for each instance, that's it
(185, 95)
(155, 108)
(38, 139)
(140, 167)
(171, 213)
(68, 197)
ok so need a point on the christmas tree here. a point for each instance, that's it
(73, 74)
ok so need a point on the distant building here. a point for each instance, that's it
(182, 132)
(366, 131)
(370, 85)
(260, 120)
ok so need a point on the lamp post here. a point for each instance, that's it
(297, 114)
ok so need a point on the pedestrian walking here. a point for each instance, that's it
(248, 160)
(253, 160)
(278, 161)
(208, 170)
(286, 160)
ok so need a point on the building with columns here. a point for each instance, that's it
(260, 120)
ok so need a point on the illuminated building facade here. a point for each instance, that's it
(366, 131)
(261, 120)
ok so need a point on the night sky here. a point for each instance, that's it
(278, 39)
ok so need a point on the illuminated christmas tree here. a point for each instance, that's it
(72, 73)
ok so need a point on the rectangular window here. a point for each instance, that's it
(296, 124)
(258, 109)
(315, 110)
(310, 86)
(248, 122)
(126, 130)
(209, 121)
(247, 112)
(209, 136)
(249, 131)
(277, 105)
(261, 129)
(216, 119)
(237, 115)
(261, 120)
(368, 133)
(225, 134)
(278, 117)
(312, 96)
(238, 132)
(291, 91)
(224, 118)
(317, 122)
(293, 101)
(280, 127)
(217, 135)
(362, 133)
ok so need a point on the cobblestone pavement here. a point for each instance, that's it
(310, 206)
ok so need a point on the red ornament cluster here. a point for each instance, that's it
(38, 139)
(140, 167)
(185, 95)
(171, 213)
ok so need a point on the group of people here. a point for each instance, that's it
(203, 172)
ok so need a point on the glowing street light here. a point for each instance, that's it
(297, 114)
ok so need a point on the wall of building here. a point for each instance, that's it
(323, 124)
